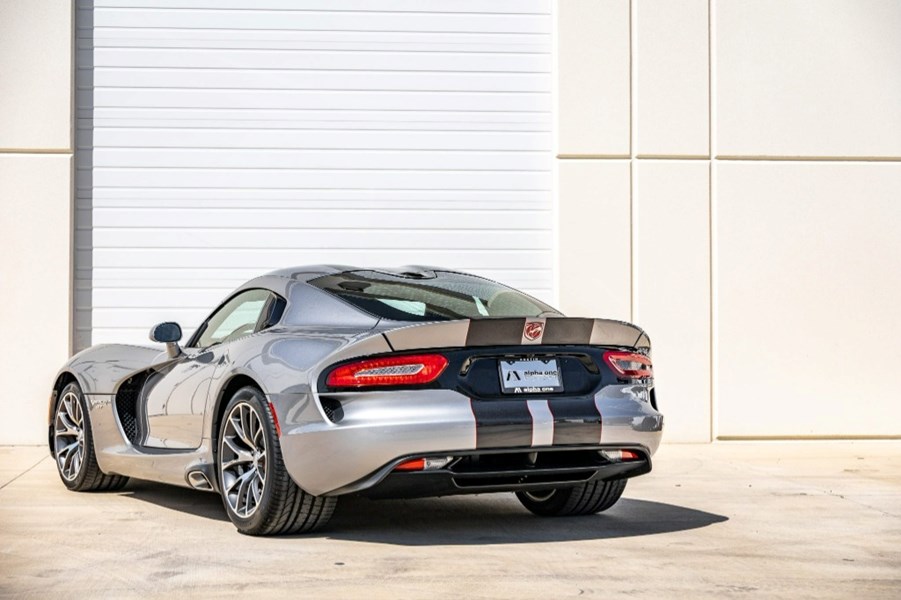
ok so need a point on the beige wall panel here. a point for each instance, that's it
(807, 290)
(593, 77)
(594, 250)
(672, 289)
(35, 193)
(35, 74)
(671, 72)
(802, 78)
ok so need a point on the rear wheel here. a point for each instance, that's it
(73, 445)
(583, 499)
(259, 495)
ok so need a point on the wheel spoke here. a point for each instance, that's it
(246, 417)
(70, 453)
(237, 427)
(69, 448)
(248, 488)
(242, 498)
(232, 463)
(67, 432)
(241, 455)
(259, 435)
(76, 412)
(257, 488)
(67, 423)
(241, 429)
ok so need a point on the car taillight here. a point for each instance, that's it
(424, 464)
(620, 455)
(417, 369)
(629, 365)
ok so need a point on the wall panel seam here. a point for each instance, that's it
(633, 126)
(711, 298)
(761, 158)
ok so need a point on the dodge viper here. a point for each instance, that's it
(312, 383)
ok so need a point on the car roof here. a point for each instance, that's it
(309, 305)
(308, 272)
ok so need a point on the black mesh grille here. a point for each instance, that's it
(127, 406)
(333, 410)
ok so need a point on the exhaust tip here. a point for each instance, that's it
(198, 480)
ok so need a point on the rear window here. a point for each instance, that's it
(445, 296)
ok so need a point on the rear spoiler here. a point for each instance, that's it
(518, 331)
(496, 332)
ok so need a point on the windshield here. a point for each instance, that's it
(443, 297)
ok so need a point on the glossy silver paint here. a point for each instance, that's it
(378, 430)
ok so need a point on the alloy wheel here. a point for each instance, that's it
(243, 460)
(68, 436)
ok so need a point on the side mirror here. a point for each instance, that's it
(167, 333)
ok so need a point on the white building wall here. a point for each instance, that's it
(728, 176)
(35, 209)
(765, 157)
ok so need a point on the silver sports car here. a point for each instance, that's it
(310, 383)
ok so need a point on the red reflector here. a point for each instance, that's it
(629, 365)
(278, 428)
(417, 464)
(629, 455)
(390, 370)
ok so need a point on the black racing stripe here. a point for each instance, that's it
(502, 423)
(495, 332)
(567, 331)
(576, 420)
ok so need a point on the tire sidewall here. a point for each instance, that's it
(257, 400)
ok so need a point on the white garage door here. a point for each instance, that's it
(219, 139)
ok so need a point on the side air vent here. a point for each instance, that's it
(127, 406)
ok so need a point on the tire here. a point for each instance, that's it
(72, 445)
(259, 496)
(583, 499)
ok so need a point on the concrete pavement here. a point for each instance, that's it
(765, 520)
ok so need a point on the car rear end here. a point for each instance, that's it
(478, 405)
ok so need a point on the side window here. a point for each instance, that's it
(237, 317)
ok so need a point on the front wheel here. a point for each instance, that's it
(259, 495)
(73, 445)
(583, 499)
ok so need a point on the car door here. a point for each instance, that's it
(175, 397)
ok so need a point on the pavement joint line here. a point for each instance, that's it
(43, 458)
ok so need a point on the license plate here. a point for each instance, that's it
(530, 376)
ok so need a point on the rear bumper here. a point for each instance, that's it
(514, 474)
(375, 431)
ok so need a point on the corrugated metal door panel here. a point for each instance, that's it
(218, 139)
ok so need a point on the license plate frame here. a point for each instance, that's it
(530, 375)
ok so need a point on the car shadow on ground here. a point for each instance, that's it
(202, 504)
(457, 520)
(500, 519)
